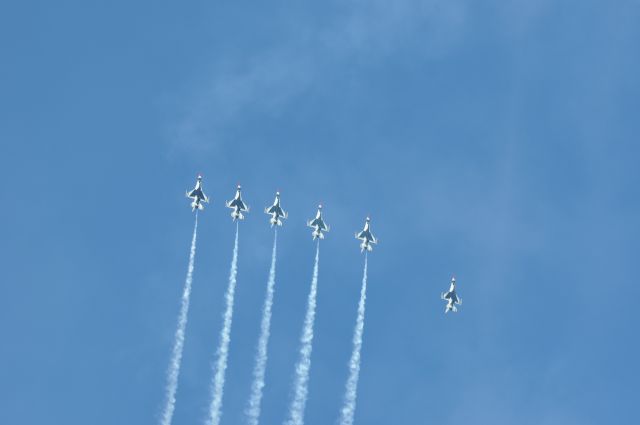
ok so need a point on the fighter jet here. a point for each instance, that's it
(276, 212)
(197, 195)
(318, 225)
(366, 237)
(451, 297)
(238, 206)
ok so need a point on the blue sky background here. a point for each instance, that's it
(494, 140)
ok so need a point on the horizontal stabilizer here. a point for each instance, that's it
(365, 245)
(275, 221)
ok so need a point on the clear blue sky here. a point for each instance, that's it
(495, 141)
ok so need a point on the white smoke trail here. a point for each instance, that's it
(176, 355)
(217, 389)
(351, 390)
(301, 383)
(259, 369)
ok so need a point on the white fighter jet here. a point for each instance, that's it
(277, 213)
(451, 297)
(197, 195)
(318, 225)
(238, 206)
(366, 237)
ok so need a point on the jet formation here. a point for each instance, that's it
(318, 225)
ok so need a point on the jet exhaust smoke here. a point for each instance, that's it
(301, 383)
(176, 355)
(351, 390)
(259, 369)
(217, 388)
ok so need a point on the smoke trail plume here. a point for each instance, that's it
(176, 355)
(259, 369)
(217, 389)
(351, 390)
(301, 383)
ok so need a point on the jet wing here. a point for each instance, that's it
(272, 209)
(277, 211)
(361, 235)
(237, 203)
(319, 223)
(193, 193)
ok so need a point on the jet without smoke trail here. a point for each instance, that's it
(259, 370)
(176, 356)
(451, 297)
(217, 389)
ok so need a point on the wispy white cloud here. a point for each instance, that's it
(268, 80)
